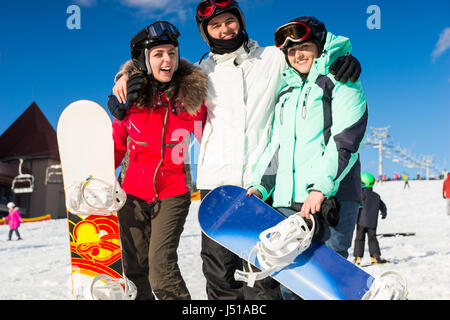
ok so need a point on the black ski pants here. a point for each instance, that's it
(219, 265)
(150, 234)
(374, 247)
(11, 232)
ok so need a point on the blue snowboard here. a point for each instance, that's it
(235, 221)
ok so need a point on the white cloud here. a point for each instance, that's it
(161, 9)
(442, 45)
(147, 4)
(177, 11)
(86, 3)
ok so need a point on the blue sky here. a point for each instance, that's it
(406, 62)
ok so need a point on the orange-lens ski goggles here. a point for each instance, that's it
(293, 31)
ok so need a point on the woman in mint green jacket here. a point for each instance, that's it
(318, 128)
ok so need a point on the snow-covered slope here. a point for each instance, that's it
(38, 267)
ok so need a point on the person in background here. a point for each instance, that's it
(368, 221)
(14, 220)
(446, 192)
(406, 179)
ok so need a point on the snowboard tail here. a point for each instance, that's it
(235, 221)
(94, 250)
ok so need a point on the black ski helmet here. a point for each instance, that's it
(230, 6)
(157, 33)
(318, 31)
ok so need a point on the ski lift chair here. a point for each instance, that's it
(53, 174)
(23, 183)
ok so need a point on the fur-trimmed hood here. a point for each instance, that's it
(189, 85)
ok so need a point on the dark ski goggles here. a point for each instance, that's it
(161, 28)
(293, 31)
(158, 31)
(206, 8)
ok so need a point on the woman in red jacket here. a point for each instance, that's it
(149, 137)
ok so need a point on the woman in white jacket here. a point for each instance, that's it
(244, 81)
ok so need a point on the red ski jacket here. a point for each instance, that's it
(151, 141)
(446, 187)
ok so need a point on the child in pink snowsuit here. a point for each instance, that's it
(14, 219)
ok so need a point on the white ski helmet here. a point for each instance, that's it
(10, 205)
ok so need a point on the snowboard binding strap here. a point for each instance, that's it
(279, 246)
(104, 287)
(390, 285)
(95, 196)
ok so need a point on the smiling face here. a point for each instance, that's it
(223, 27)
(163, 60)
(301, 56)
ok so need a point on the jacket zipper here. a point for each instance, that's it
(131, 123)
(305, 101)
(139, 142)
(162, 146)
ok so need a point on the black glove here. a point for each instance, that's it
(118, 110)
(329, 211)
(346, 67)
(134, 87)
(318, 231)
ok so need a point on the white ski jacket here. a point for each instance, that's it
(241, 99)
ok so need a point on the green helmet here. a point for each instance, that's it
(367, 180)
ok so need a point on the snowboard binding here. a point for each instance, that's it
(95, 196)
(279, 246)
(104, 287)
(390, 285)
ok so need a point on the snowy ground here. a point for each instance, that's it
(38, 267)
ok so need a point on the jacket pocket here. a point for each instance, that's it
(175, 152)
(137, 150)
(140, 143)
(132, 126)
(137, 144)
(305, 103)
(136, 133)
(281, 114)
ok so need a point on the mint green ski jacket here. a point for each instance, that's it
(318, 128)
